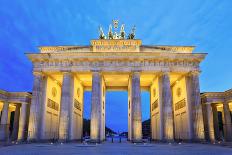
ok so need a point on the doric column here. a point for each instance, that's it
(95, 128)
(227, 120)
(4, 119)
(37, 109)
(215, 122)
(129, 110)
(210, 127)
(66, 110)
(16, 122)
(166, 103)
(189, 107)
(102, 129)
(23, 122)
(136, 114)
(198, 126)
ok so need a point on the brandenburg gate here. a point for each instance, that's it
(63, 73)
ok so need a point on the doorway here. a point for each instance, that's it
(116, 116)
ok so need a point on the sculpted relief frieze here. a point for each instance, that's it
(88, 65)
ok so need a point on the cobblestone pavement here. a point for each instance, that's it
(115, 148)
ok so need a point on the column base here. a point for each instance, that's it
(94, 141)
(69, 140)
(137, 141)
(4, 133)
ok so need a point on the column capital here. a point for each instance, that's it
(96, 73)
(5, 101)
(35, 73)
(164, 72)
(214, 105)
(65, 71)
(17, 105)
(225, 103)
(135, 72)
(195, 73)
(95, 70)
(206, 103)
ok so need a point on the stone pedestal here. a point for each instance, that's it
(16, 122)
(227, 121)
(167, 107)
(23, 122)
(4, 127)
(96, 126)
(136, 115)
(37, 109)
(66, 110)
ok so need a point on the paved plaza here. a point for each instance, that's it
(108, 148)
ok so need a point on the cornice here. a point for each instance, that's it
(20, 94)
(213, 94)
(130, 56)
(3, 92)
(228, 92)
(163, 48)
(217, 94)
(16, 96)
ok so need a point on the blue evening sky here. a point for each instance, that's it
(26, 24)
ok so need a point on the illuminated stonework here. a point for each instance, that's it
(217, 107)
(122, 65)
(14, 105)
(169, 73)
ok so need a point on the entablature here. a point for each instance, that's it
(217, 97)
(174, 57)
(15, 97)
(117, 61)
(117, 46)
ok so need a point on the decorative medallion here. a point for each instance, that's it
(54, 91)
(178, 92)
